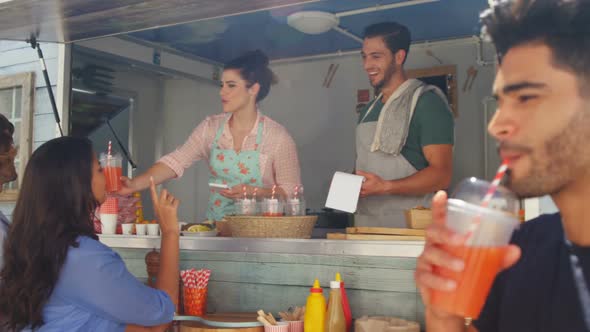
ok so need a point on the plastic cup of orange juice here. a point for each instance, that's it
(113, 170)
(487, 231)
(272, 207)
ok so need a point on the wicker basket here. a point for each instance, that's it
(295, 227)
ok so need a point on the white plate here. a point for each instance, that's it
(200, 234)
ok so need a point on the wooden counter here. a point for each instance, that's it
(275, 274)
(268, 245)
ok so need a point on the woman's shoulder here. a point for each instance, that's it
(211, 123)
(215, 119)
(87, 246)
(89, 254)
(274, 128)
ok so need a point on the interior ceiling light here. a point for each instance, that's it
(317, 22)
(313, 22)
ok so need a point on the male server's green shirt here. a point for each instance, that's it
(431, 123)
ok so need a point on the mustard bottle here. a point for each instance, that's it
(335, 321)
(315, 310)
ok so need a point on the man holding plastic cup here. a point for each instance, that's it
(542, 125)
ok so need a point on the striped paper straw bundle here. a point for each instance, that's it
(195, 278)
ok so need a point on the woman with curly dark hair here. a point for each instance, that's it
(57, 276)
(245, 149)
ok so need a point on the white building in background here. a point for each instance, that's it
(24, 100)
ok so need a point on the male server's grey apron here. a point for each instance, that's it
(382, 210)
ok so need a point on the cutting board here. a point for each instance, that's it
(186, 326)
(373, 237)
(336, 236)
(385, 231)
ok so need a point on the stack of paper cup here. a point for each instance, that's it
(153, 229)
(141, 229)
(295, 326)
(127, 228)
(280, 327)
(108, 215)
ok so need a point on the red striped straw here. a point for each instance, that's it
(202, 279)
(296, 192)
(244, 190)
(189, 278)
(488, 196)
(109, 149)
(184, 277)
(207, 276)
(494, 185)
(274, 189)
(199, 278)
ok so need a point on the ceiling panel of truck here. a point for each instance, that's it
(72, 20)
(224, 38)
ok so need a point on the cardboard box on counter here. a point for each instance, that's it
(418, 217)
(385, 324)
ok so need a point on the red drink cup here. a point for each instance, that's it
(482, 264)
(113, 170)
(487, 232)
(195, 301)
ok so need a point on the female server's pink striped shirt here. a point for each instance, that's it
(278, 154)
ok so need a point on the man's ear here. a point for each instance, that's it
(400, 57)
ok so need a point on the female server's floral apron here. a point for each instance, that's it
(229, 167)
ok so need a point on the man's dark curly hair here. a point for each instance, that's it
(561, 25)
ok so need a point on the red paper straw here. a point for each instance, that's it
(207, 277)
(494, 185)
(109, 149)
(184, 277)
(488, 196)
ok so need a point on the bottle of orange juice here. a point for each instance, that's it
(315, 310)
(138, 208)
